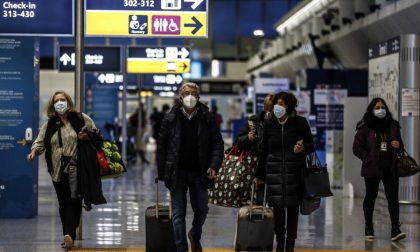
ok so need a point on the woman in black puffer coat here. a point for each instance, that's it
(287, 139)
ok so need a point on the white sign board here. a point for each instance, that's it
(410, 102)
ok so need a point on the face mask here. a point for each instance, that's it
(60, 107)
(380, 113)
(189, 101)
(279, 111)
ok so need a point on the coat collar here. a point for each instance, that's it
(202, 111)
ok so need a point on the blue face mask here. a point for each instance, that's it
(279, 111)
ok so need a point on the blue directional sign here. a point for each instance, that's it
(37, 18)
(97, 58)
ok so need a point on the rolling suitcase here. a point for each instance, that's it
(255, 227)
(159, 229)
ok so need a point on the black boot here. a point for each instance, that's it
(396, 233)
(280, 244)
(290, 249)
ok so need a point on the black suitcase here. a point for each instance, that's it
(159, 229)
(255, 227)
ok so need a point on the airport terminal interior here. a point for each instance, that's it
(334, 56)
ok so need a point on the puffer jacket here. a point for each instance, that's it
(366, 149)
(278, 164)
(210, 145)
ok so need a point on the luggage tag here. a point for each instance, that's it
(383, 146)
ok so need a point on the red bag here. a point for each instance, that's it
(103, 163)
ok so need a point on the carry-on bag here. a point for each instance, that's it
(255, 227)
(159, 229)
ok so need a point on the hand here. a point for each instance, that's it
(252, 136)
(258, 181)
(395, 144)
(83, 135)
(298, 148)
(31, 156)
(211, 173)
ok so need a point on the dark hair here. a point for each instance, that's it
(374, 122)
(289, 100)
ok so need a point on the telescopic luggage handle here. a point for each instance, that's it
(252, 200)
(157, 201)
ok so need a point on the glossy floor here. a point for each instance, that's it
(119, 225)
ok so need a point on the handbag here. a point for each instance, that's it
(404, 165)
(309, 205)
(316, 182)
(232, 185)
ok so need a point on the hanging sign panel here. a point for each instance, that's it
(97, 58)
(37, 18)
(158, 60)
(146, 18)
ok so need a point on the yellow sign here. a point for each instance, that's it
(145, 23)
(142, 65)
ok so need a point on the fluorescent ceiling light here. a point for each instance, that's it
(302, 15)
(258, 33)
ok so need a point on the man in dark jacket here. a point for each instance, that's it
(189, 154)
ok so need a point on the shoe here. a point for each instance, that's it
(68, 242)
(195, 244)
(396, 233)
(63, 245)
(369, 234)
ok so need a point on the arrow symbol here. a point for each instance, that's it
(184, 66)
(196, 3)
(102, 78)
(65, 59)
(184, 53)
(197, 25)
(22, 142)
(179, 79)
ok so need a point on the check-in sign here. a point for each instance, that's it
(37, 18)
(97, 58)
(158, 60)
(146, 18)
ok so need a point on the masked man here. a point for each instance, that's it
(190, 152)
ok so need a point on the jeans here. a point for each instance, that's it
(69, 209)
(391, 193)
(199, 202)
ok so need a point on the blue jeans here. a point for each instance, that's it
(199, 202)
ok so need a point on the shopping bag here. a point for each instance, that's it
(316, 182)
(232, 185)
(404, 164)
(309, 205)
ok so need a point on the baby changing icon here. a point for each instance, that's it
(138, 24)
(166, 25)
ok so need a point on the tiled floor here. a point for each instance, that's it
(119, 225)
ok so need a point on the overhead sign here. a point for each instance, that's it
(146, 18)
(97, 58)
(158, 60)
(36, 18)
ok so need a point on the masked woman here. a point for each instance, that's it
(376, 140)
(287, 139)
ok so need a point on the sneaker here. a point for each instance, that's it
(369, 234)
(68, 242)
(396, 233)
(195, 244)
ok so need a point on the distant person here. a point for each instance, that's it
(189, 154)
(377, 137)
(287, 138)
(60, 139)
(134, 123)
(156, 119)
(218, 117)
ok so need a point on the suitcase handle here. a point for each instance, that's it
(157, 201)
(253, 185)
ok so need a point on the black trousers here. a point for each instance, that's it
(70, 209)
(289, 228)
(391, 192)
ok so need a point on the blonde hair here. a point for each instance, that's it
(191, 85)
(50, 107)
(268, 103)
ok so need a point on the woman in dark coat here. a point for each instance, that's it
(287, 139)
(378, 136)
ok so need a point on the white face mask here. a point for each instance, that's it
(189, 101)
(60, 107)
(279, 111)
(380, 113)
